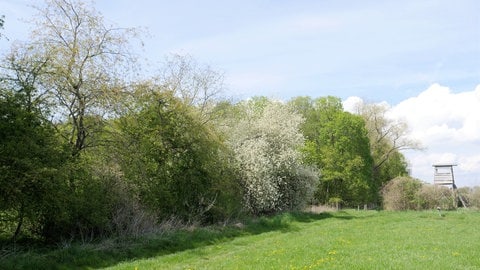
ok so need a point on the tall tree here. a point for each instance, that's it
(388, 137)
(195, 84)
(84, 61)
(338, 145)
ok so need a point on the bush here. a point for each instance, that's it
(176, 164)
(82, 207)
(401, 194)
(31, 161)
(472, 196)
(431, 197)
(266, 140)
(406, 193)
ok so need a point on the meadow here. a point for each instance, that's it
(339, 240)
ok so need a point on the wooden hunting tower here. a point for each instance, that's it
(443, 175)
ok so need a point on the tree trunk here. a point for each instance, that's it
(21, 215)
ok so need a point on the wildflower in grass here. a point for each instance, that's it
(333, 252)
(277, 252)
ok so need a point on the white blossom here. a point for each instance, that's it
(266, 142)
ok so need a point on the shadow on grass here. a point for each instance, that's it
(113, 251)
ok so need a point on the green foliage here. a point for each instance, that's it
(177, 164)
(395, 165)
(339, 146)
(45, 192)
(30, 160)
(84, 204)
(387, 138)
(401, 194)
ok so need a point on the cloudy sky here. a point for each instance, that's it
(421, 57)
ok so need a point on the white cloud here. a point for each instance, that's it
(351, 103)
(448, 125)
(437, 115)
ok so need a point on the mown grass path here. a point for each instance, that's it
(343, 240)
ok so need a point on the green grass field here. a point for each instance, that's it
(343, 240)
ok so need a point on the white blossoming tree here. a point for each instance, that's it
(266, 140)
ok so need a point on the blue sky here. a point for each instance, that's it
(404, 53)
(378, 50)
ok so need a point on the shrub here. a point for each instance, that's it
(176, 164)
(406, 193)
(472, 196)
(266, 142)
(431, 197)
(401, 193)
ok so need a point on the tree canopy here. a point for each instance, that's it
(387, 139)
(338, 145)
(80, 62)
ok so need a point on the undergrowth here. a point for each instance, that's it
(107, 252)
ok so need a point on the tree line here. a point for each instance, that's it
(90, 149)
